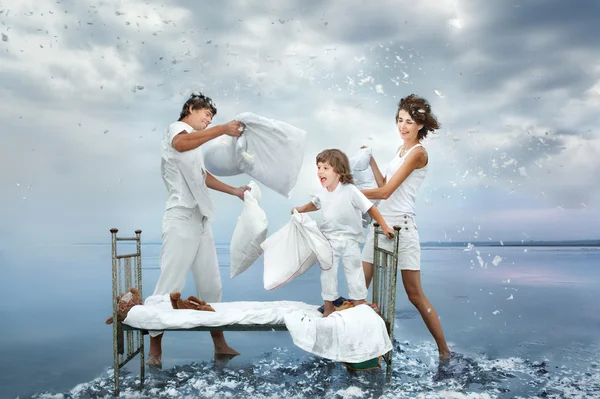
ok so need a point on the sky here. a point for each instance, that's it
(88, 87)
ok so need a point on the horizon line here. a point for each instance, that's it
(594, 241)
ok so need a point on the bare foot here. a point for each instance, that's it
(444, 356)
(155, 353)
(154, 361)
(221, 361)
(226, 350)
(328, 308)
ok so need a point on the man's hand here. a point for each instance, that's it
(234, 128)
(239, 192)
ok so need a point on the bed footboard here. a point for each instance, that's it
(385, 273)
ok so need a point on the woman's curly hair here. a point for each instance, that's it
(420, 111)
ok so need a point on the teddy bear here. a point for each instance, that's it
(191, 303)
(126, 301)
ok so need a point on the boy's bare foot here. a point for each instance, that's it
(328, 308)
(444, 356)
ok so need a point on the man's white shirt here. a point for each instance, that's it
(177, 168)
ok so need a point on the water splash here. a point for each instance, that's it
(416, 372)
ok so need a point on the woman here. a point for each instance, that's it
(398, 189)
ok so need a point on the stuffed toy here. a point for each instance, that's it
(126, 301)
(191, 303)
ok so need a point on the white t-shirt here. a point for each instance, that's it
(179, 191)
(342, 212)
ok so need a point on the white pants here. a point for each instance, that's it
(188, 243)
(348, 252)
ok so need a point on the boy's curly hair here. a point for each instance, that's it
(339, 162)
(420, 111)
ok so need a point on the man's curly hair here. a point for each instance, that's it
(198, 101)
(420, 111)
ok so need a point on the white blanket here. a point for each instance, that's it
(352, 335)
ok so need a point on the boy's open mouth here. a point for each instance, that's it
(323, 179)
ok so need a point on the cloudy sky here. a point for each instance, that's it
(88, 87)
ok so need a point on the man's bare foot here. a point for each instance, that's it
(221, 361)
(226, 350)
(155, 353)
(358, 302)
(154, 361)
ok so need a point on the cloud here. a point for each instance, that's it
(90, 87)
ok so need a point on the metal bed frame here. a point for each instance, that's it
(128, 341)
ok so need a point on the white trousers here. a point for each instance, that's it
(348, 252)
(188, 243)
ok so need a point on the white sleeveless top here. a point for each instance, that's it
(402, 201)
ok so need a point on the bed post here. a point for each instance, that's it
(385, 273)
(115, 324)
(138, 274)
(126, 273)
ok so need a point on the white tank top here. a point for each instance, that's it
(402, 201)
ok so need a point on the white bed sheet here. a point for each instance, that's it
(352, 335)
(157, 314)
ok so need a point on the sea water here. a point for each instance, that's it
(523, 322)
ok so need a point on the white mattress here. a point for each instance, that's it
(353, 335)
(157, 314)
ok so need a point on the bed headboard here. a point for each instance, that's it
(126, 268)
(126, 273)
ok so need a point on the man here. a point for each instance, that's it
(188, 241)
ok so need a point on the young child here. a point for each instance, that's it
(342, 204)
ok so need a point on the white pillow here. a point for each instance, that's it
(363, 176)
(269, 151)
(250, 231)
(219, 156)
(361, 169)
(293, 250)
